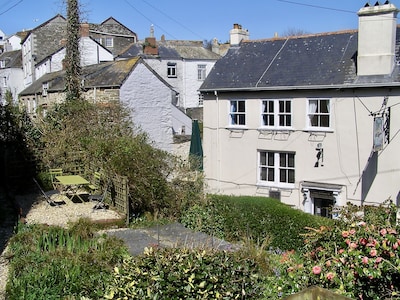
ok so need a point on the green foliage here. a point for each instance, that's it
(186, 274)
(353, 258)
(52, 262)
(259, 217)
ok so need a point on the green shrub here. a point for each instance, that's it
(186, 274)
(237, 217)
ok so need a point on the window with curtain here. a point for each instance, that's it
(277, 167)
(276, 113)
(237, 113)
(319, 113)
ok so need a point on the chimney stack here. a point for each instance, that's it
(376, 39)
(150, 46)
(84, 30)
(237, 34)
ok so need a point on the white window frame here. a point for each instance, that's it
(172, 70)
(274, 116)
(201, 99)
(271, 169)
(2, 64)
(109, 42)
(45, 87)
(201, 72)
(237, 113)
(316, 110)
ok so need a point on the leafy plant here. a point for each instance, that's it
(186, 274)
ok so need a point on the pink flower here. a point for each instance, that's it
(392, 231)
(395, 246)
(328, 263)
(316, 270)
(363, 241)
(345, 234)
(383, 231)
(365, 260)
(330, 276)
(353, 245)
(352, 231)
(341, 251)
(373, 252)
(378, 260)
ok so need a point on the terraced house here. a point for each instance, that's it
(311, 120)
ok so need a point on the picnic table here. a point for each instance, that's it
(72, 184)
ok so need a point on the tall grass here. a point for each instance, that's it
(56, 263)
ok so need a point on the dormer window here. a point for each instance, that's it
(109, 42)
(45, 87)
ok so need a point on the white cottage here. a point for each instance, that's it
(311, 120)
(133, 83)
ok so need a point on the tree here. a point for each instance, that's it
(72, 58)
(294, 32)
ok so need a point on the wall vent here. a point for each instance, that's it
(275, 194)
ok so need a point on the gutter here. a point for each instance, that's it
(302, 87)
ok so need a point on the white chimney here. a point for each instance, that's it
(237, 34)
(376, 39)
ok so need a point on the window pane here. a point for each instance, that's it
(290, 176)
(314, 120)
(263, 174)
(271, 174)
(233, 106)
(324, 121)
(242, 119)
(241, 106)
(282, 159)
(271, 159)
(282, 175)
(281, 106)
(288, 120)
(263, 159)
(288, 106)
(271, 106)
(290, 160)
(324, 106)
(281, 120)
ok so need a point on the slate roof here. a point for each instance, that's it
(175, 50)
(108, 74)
(13, 59)
(311, 61)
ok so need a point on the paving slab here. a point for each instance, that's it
(171, 235)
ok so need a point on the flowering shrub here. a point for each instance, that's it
(360, 260)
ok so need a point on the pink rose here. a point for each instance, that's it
(363, 241)
(330, 276)
(316, 270)
(345, 234)
(373, 252)
(395, 246)
(365, 260)
(341, 251)
(392, 231)
(352, 231)
(383, 231)
(328, 263)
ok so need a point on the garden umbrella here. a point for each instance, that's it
(196, 150)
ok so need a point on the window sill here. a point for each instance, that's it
(236, 127)
(276, 129)
(318, 130)
(280, 185)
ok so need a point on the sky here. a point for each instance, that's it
(195, 20)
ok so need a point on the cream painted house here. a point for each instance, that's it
(311, 120)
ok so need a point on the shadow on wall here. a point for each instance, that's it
(369, 175)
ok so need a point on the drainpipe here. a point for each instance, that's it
(218, 145)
